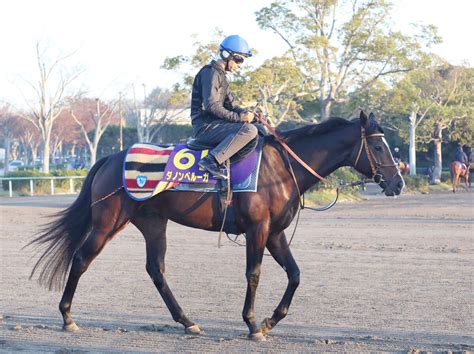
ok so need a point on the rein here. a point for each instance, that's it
(288, 149)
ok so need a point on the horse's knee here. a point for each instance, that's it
(294, 279)
(156, 274)
(253, 276)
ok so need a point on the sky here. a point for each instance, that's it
(123, 42)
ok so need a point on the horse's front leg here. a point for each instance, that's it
(256, 239)
(280, 250)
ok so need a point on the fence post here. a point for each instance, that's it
(10, 189)
(31, 187)
(52, 186)
(71, 186)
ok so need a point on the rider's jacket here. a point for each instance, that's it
(211, 98)
(461, 157)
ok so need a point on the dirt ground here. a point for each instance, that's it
(379, 275)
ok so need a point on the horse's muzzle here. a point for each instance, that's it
(394, 186)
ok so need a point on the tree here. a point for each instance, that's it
(453, 97)
(50, 91)
(92, 114)
(434, 100)
(277, 86)
(30, 138)
(339, 45)
(8, 122)
(161, 106)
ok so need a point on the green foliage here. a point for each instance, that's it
(341, 46)
(418, 182)
(109, 142)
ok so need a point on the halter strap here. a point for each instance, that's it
(374, 165)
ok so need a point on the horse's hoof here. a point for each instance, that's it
(71, 327)
(194, 329)
(258, 337)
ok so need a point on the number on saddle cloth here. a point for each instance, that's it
(150, 169)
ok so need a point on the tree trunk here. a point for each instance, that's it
(93, 152)
(412, 147)
(7, 153)
(46, 150)
(437, 154)
(34, 153)
(326, 107)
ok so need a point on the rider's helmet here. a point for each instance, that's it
(234, 47)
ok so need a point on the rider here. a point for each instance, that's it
(396, 154)
(461, 155)
(215, 119)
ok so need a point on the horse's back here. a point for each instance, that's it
(109, 176)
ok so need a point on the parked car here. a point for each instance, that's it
(15, 164)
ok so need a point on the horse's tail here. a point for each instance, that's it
(61, 237)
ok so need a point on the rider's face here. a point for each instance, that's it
(233, 66)
(235, 63)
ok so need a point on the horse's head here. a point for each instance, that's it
(374, 159)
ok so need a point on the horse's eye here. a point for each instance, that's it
(378, 148)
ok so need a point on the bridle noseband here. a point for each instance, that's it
(374, 164)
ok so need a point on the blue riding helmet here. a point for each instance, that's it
(235, 44)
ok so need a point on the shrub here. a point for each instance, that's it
(417, 182)
(43, 186)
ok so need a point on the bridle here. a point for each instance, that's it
(374, 164)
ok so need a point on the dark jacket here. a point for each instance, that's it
(211, 98)
(461, 156)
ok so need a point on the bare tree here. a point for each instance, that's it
(158, 108)
(50, 91)
(95, 116)
(8, 121)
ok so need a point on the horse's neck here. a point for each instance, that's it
(324, 154)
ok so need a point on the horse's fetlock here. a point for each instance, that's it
(280, 313)
(248, 317)
(64, 307)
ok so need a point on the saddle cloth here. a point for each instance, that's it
(150, 169)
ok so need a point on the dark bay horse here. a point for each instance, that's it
(459, 170)
(78, 234)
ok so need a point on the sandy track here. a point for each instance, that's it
(384, 274)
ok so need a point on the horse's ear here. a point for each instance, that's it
(363, 118)
(371, 116)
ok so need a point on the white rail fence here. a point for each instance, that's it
(32, 179)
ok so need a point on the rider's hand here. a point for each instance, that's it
(247, 116)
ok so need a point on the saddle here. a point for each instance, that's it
(150, 169)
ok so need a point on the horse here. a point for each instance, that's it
(458, 170)
(78, 234)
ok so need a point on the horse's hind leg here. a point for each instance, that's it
(153, 229)
(102, 231)
(280, 250)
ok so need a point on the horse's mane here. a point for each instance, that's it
(315, 130)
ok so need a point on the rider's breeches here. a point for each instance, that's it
(230, 137)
